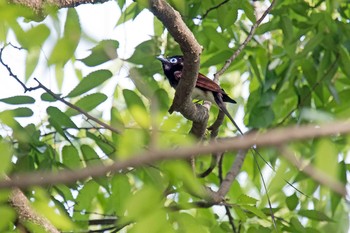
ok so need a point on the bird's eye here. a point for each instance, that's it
(173, 60)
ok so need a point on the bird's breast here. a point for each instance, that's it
(199, 94)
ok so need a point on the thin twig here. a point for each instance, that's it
(245, 42)
(57, 97)
(313, 88)
(227, 209)
(213, 8)
(77, 108)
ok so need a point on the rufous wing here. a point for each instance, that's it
(203, 82)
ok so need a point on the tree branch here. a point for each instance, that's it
(274, 137)
(232, 174)
(26, 213)
(245, 42)
(39, 5)
(311, 171)
(191, 50)
(55, 96)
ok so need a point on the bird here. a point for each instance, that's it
(205, 88)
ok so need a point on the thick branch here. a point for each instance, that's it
(39, 5)
(273, 137)
(26, 213)
(191, 50)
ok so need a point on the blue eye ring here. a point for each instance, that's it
(173, 60)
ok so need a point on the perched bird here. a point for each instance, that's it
(205, 89)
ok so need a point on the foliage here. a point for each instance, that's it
(296, 71)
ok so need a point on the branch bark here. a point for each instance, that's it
(274, 137)
(191, 50)
(40, 5)
(26, 213)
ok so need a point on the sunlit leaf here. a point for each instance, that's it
(137, 108)
(91, 81)
(6, 155)
(326, 158)
(105, 51)
(32, 60)
(70, 157)
(87, 103)
(65, 47)
(314, 215)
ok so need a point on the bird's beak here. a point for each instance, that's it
(162, 59)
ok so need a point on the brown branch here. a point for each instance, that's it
(191, 50)
(114, 130)
(245, 42)
(26, 213)
(311, 171)
(39, 5)
(274, 137)
(55, 96)
(232, 174)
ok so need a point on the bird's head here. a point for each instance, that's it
(174, 63)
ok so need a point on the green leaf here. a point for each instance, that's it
(326, 158)
(90, 155)
(70, 157)
(292, 201)
(6, 155)
(106, 146)
(287, 28)
(91, 81)
(217, 39)
(249, 11)
(60, 118)
(121, 191)
(228, 14)
(19, 99)
(314, 215)
(344, 60)
(18, 112)
(47, 97)
(298, 227)
(66, 46)
(254, 210)
(40, 33)
(129, 13)
(85, 199)
(241, 214)
(137, 108)
(8, 215)
(261, 117)
(105, 51)
(244, 199)
(32, 60)
(87, 103)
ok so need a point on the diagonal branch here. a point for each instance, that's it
(245, 42)
(232, 174)
(114, 130)
(55, 96)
